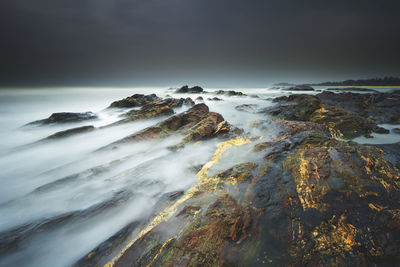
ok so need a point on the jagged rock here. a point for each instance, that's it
(137, 100)
(192, 90)
(71, 132)
(195, 124)
(66, 117)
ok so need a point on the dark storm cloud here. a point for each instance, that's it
(211, 42)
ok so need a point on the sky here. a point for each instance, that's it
(206, 42)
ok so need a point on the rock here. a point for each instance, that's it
(199, 98)
(70, 132)
(66, 117)
(299, 88)
(215, 99)
(192, 90)
(137, 100)
(396, 130)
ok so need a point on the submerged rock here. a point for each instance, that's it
(66, 117)
(136, 100)
(71, 132)
(396, 130)
(192, 90)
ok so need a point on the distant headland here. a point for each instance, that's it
(386, 81)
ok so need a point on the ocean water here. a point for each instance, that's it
(59, 200)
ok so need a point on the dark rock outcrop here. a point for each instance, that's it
(136, 100)
(195, 124)
(191, 90)
(66, 117)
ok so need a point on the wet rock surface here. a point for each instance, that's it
(65, 117)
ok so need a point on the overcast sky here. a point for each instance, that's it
(205, 42)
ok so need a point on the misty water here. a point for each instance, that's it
(59, 200)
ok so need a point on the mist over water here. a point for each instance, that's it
(60, 199)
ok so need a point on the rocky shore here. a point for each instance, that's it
(309, 197)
